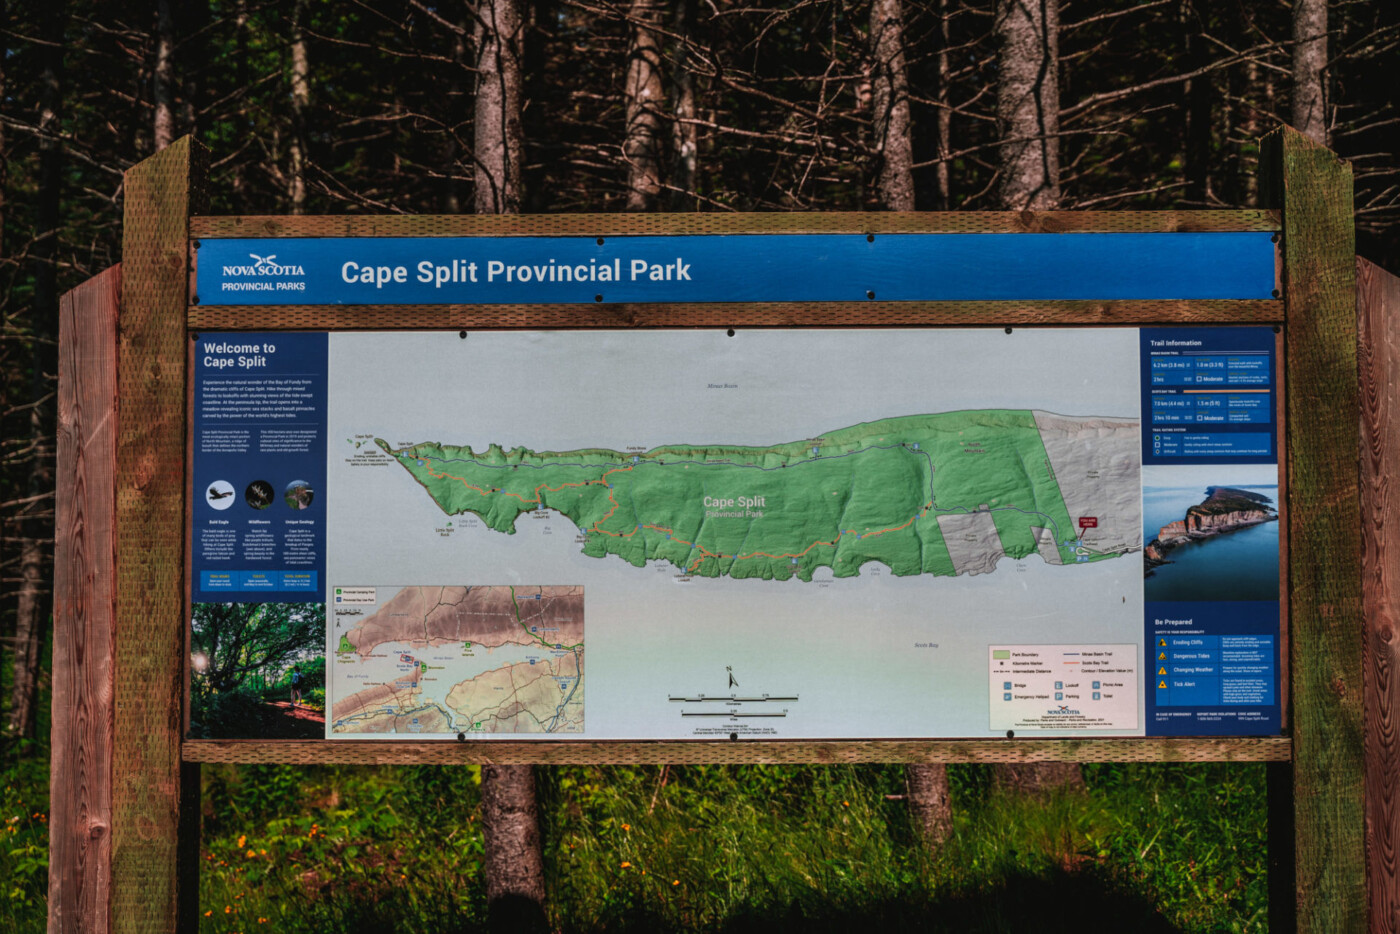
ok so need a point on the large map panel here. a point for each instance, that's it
(793, 534)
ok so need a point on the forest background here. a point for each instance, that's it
(550, 106)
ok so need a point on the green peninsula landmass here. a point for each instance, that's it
(892, 491)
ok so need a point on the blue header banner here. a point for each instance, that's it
(735, 268)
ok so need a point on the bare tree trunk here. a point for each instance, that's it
(1247, 182)
(36, 521)
(1028, 121)
(1310, 69)
(163, 77)
(1038, 777)
(510, 820)
(240, 45)
(194, 53)
(926, 784)
(451, 192)
(1198, 96)
(1028, 104)
(641, 147)
(499, 138)
(30, 616)
(301, 99)
(514, 864)
(945, 112)
(685, 140)
(930, 808)
(890, 101)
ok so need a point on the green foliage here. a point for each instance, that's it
(233, 642)
(24, 838)
(711, 848)
(243, 658)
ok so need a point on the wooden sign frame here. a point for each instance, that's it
(125, 799)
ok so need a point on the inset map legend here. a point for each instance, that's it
(1063, 687)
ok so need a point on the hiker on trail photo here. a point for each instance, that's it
(245, 659)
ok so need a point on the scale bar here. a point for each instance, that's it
(730, 700)
(722, 713)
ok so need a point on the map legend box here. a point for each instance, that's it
(1063, 687)
(355, 596)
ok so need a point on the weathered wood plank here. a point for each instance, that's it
(1156, 749)
(150, 649)
(1323, 534)
(80, 774)
(751, 314)
(617, 225)
(1378, 306)
(1283, 683)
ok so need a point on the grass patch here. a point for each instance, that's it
(704, 848)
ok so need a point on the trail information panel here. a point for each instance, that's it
(799, 534)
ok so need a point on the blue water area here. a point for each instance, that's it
(1239, 565)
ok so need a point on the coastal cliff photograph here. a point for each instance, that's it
(1212, 534)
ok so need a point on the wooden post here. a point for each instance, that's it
(161, 193)
(80, 773)
(1324, 589)
(1378, 306)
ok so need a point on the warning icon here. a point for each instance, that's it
(1161, 656)
(1161, 685)
(1161, 641)
(1162, 671)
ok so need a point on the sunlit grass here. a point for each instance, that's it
(321, 849)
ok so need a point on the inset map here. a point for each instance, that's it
(439, 661)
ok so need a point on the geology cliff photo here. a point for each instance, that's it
(1214, 543)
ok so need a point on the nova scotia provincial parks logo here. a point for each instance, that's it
(264, 274)
(1063, 710)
